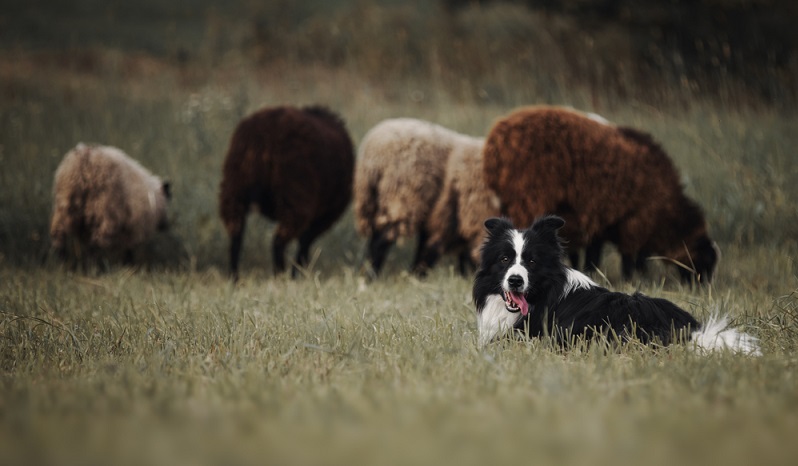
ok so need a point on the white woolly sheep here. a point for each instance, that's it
(398, 177)
(105, 200)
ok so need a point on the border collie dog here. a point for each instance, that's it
(523, 286)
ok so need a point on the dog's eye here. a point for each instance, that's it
(505, 259)
(530, 261)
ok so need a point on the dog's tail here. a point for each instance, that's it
(715, 335)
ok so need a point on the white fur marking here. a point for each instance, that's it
(495, 320)
(575, 280)
(597, 118)
(517, 240)
(715, 335)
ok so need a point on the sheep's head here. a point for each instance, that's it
(701, 258)
(166, 189)
(696, 252)
(165, 195)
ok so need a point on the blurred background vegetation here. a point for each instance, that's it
(728, 49)
(713, 80)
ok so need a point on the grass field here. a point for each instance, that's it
(168, 363)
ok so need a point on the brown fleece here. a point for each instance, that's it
(607, 182)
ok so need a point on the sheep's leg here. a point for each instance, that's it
(464, 263)
(95, 260)
(234, 208)
(427, 255)
(303, 253)
(60, 251)
(378, 248)
(128, 257)
(573, 257)
(593, 255)
(69, 253)
(641, 263)
(420, 265)
(281, 239)
(236, 240)
(278, 254)
(628, 262)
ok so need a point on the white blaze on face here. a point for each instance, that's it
(502, 311)
(517, 240)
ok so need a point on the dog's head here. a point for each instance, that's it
(520, 265)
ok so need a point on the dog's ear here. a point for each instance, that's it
(495, 225)
(548, 223)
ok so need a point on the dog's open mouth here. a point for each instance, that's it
(516, 302)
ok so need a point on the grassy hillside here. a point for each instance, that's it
(168, 363)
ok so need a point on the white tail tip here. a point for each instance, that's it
(715, 335)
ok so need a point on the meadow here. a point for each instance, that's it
(168, 362)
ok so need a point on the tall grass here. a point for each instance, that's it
(168, 363)
(181, 367)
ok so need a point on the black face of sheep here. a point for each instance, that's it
(166, 190)
(296, 165)
(700, 261)
(166, 187)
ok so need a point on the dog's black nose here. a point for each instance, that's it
(515, 281)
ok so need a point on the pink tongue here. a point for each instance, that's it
(520, 301)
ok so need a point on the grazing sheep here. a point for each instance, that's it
(296, 165)
(457, 220)
(399, 175)
(609, 184)
(105, 200)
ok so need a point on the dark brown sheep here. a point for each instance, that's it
(608, 183)
(296, 165)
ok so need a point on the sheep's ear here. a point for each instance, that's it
(166, 187)
(548, 223)
(495, 225)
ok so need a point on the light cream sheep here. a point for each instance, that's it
(105, 200)
(456, 223)
(398, 177)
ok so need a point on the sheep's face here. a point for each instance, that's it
(163, 224)
(704, 256)
(165, 197)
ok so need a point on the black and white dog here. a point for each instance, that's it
(523, 286)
